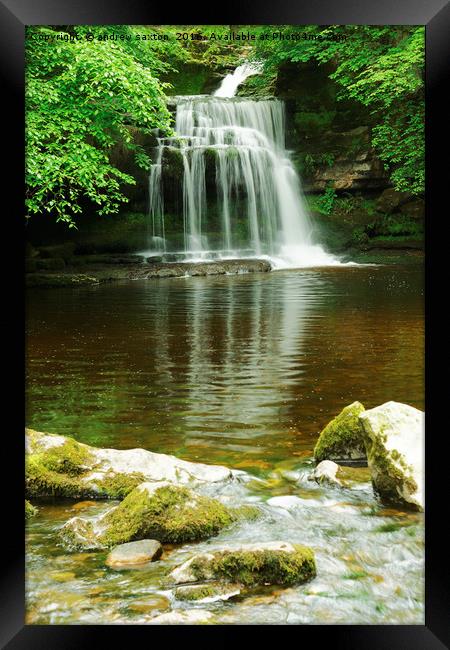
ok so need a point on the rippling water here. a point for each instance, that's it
(243, 371)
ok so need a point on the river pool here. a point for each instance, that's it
(242, 371)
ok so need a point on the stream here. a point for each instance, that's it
(242, 371)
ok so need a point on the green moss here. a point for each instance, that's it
(71, 458)
(263, 566)
(194, 592)
(170, 514)
(41, 481)
(342, 437)
(118, 486)
(30, 510)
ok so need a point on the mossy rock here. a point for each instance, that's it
(342, 438)
(168, 514)
(30, 510)
(63, 467)
(209, 591)
(271, 563)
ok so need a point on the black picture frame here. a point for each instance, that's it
(14, 16)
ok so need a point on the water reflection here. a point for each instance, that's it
(210, 368)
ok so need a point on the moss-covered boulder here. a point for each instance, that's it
(272, 563)
(63, 467)
(394, 438)
(168, 514)
(342, 439)
(30, 510)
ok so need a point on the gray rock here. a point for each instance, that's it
(135, 553)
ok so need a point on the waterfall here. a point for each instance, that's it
(254, 206)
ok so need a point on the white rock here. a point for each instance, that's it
(394, 439)
(325, 472)
(156, 468)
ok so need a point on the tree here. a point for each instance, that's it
(381, 67)
(84, 89)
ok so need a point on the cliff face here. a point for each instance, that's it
(329, 139)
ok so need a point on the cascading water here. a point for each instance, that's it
(254, 205)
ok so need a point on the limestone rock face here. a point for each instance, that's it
(270, 563)
(394, 439)
(390, 200)
(61, 466)
(342, 438)
(134, 553)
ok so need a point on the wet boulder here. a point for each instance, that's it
(326, 472)
(268, 563)
(394, 439)
(168, 513)
(79, 534)
(134, 553)
(342, 439)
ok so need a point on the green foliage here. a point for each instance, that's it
(81, 98)
(311, 161)
(380, 67)
(326, 201)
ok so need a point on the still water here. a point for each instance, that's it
(242, 371)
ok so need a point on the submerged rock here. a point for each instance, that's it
(209, 592)
(394, 438)
(80, 534)
(169, 514)
(182, 617)
(30, 510)
(61, 466)
(342, 439)
(135, 553)
(272, 563)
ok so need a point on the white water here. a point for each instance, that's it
(256, 206)
(231, 82)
